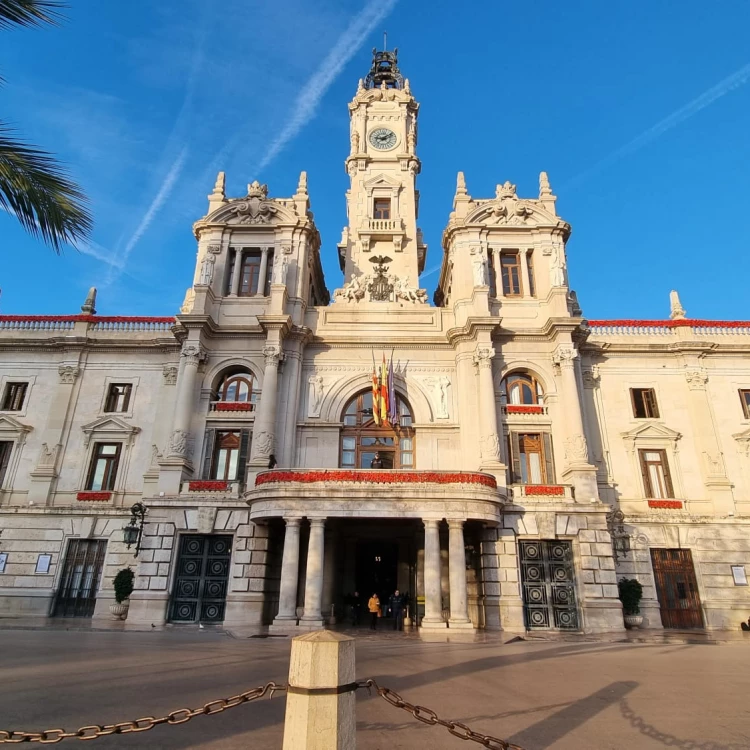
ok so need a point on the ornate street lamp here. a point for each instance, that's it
(133, 532)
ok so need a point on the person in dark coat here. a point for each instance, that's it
(272, 461)
(377, 462)
(396, 605)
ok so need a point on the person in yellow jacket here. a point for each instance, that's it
(374, 607)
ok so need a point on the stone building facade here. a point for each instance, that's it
(532, 457)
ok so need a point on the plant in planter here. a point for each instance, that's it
(631, 592)
(123, 585)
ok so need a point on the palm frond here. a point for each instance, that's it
(30, 12)
(36, 189)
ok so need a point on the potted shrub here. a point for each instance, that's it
(123, 585)
(631, 593)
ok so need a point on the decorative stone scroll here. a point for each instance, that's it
(255, 209)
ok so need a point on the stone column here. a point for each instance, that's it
(489, 442)
(192, 355)
(264, 430)
(459, 618)
(578, 469)
(289, 572)
(525, 272)
(314, 577)
(433, 606)
(493, 267)
(235, 290)
(262, 275)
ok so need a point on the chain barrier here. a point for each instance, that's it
(182, 715)
(428, 716)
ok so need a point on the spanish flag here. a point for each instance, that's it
(384, 392)
(375, 396)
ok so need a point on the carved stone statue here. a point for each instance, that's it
(187, 304)
(355, 142)
(315, 395)
(178, 443)
(403, 291)
(677, 311)
(207, 269)
(479, 267)
(439, 386)
(353, 291)
(557, 265)
(280, 268)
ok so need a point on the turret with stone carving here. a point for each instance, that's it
(676, 310)
(382, 202)
(89, 306)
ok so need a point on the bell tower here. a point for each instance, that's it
(382, 202)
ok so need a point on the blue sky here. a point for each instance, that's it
(639, 112)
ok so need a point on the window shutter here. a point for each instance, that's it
(548, 465)
(6, 448)
(515, 453)
(667, 477)
(242, 460)
(644, 474)
(209, 440)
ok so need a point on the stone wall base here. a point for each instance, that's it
(602, 616)
(147, 609)
(25, 603)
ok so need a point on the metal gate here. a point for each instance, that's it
(548, 583)
(200, 589)
(81, 575)
(676, 588)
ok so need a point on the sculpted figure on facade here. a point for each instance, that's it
(280, 269)
(404, 291)
(207, 269)
(489, 447)
(353, 290)
(48, 456)
(178, 443)
(557, 264)
(576, 449)
(187, 304)
(315, 395)
(355, 141)
(439, 386)
(263, 444)
(170, 374)
(479, 266)
(696, 379)
(68, 373)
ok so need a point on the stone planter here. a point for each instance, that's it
(633, 621)
(119, 611)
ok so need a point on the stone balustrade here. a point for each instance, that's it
(526, 412)
(94, 323)
(385, 225)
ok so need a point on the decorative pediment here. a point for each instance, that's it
(253, 210)
(652, 432)
(109, 428)
(10, 426)
(507, 210)
(382, 181)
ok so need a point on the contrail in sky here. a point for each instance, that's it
(314, 89)
(156, 204)
(730, 83)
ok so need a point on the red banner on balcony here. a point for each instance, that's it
(208, 486)
(666, 504)
(516, 409)
(234, 406)
(377, 477)
(91, 495)
(543, 489)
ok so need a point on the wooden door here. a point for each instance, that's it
(676, 588)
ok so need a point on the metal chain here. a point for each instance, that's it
(428, 716)
(180, 716)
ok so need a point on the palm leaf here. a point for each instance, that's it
(36, 189)
(30, 12)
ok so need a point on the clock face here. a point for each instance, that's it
(382, 138)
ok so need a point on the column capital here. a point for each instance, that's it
(456, 523)
(317, 522)
(565, 355)
(430, 523)
(68, 373)
(193, 353)
(483, 357)
(696, 379)
(272, 355)
(292, 521)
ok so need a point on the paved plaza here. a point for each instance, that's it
(566, 695)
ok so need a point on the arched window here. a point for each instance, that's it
(362, 438)
(521, 388)
(238, 387)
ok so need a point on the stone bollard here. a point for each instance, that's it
(320, 703)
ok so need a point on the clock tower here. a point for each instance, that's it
(381, 241)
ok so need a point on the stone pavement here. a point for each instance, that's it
(562, 695)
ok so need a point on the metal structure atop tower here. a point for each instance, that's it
(384, 70)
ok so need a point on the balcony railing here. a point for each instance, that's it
(235, 408)
(525, 411)
(542, 491)
(385, 225)
(374, 476)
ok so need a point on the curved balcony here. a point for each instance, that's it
(380, 493)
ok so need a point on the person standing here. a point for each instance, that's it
(356, 605)
(377, 462)
(396, 605)
(373, 607)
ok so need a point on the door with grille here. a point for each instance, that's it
(200, 588)
(81, 575)
(548, 584)
(676, 588)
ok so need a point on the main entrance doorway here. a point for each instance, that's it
(82, 572)
(200, 588)
(377, 569)
(547, 579)
(676, 588)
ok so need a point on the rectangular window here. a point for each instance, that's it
(6, 448)
(250, 274)
(531, 458)
(118, 397)
(656, 480)
(225, 455)
(644, 403)
(14, 396)
(510, 267)
(104, 463)
(382, 208)
(530, 266)
(745, 399)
